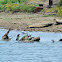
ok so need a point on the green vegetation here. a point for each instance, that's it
(12, 1)
(15, 5)
(20, 5)
(49, 15)
(60, 3)
(57, 10)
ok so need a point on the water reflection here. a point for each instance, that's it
(43, 51)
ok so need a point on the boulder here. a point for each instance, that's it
(58, 21)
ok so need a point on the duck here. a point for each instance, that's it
(53, 41)
(60, 40)
(5, 36)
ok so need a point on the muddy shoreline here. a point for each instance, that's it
(24, 20)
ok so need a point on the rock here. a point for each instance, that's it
(40, 25)
(58, 21)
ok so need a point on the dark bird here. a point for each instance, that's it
(17, 37)
(5, 37)
(60, 40)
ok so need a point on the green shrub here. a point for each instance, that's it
(3, 2)
(11, 1)
(26, 8)
(15, 5)
(18, 7)
(59, 13)
(22, 1)
(60, 3)
(30, 8)
(2, 7)
(57, 10)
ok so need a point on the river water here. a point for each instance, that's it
(43, 51)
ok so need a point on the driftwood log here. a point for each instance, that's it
(40, 25)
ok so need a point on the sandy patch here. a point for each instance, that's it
(24, 20)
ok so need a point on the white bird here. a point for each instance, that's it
(23, 32)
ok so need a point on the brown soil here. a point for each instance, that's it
(24, 20)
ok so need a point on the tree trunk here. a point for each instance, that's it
(50, 2)
(61, 2)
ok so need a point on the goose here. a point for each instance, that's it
(27, 39)
(17, 37)
(24, 38)
(5, 37)
(53, 41)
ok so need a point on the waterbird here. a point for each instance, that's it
(23, 32)
(17, 37)
(5, 36)
(27, 39)
(53, 41)
(60, 40)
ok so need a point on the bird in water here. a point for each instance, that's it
(53, 41)
(5, 36)
(23, 38)
(17, 37)
(27, 38)
(60, 40)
